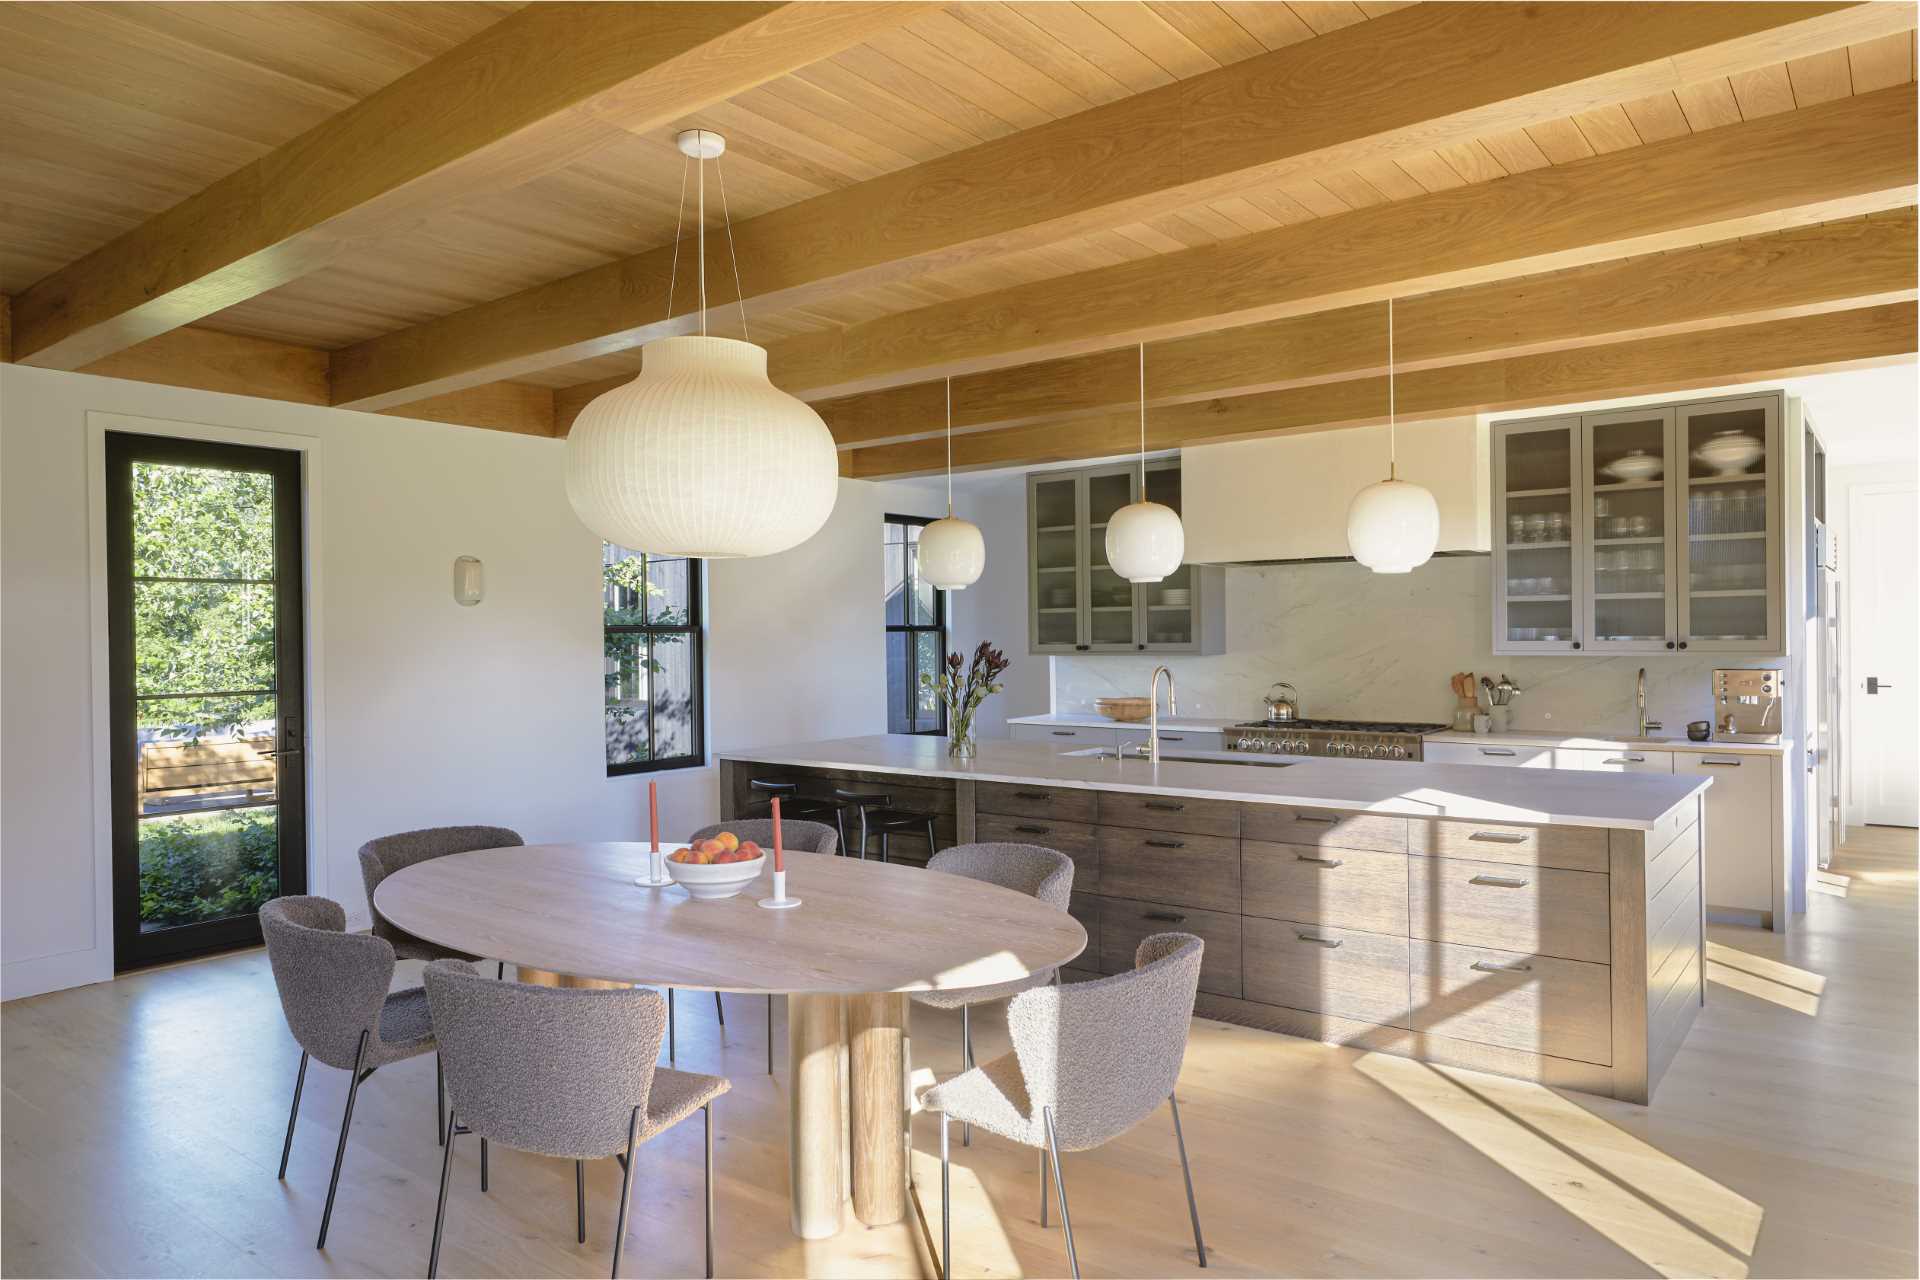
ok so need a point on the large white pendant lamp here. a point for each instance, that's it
(1145, 540)
(1392, 526)
(700, 455)
(952, 552)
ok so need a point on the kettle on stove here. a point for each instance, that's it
(1284, 707)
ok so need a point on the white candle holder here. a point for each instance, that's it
(656, 877)
(779, 901)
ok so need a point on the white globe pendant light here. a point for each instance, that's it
(952, 552)
(1392, 526)
(1145, 540)
(700, 455)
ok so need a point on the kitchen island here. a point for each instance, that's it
(1537, 923)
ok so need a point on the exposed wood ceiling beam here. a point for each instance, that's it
(1421, 77)
(1774, 349)
(1830, 161)
(207, 360)
(528, 95)
(1798, 271)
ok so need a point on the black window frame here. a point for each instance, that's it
(695, 631)
(938, 625)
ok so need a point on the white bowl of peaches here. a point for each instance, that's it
(717, 867)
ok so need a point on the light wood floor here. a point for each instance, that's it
(142, 1123)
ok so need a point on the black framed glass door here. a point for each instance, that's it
(205, 653)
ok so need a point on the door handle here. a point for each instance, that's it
(1318, 862)
(1328, 943)
(1874, 684)
(1033, 831)
(1500, 882)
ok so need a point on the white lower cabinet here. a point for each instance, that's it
(1490, 753)
(1744, 832)
(1063, 735)
(1612, 760)
(1177, 739)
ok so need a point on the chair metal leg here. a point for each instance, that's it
(340, 1151)
(883, 844)
(706, 1113)
(966, 1060)
(720, 1012)
(483, 1165)
(440, 1214)
(673, 1058)
(580, 1200)
(1193, 1208)
(1060, 1189)
(1043, 1186)
(439, 1100)
(863, 833)
(932, 848)
(769, 1035)
(840, 821)
(500, 970)
(626, 1189)
(946, 1203)
(293, 1113)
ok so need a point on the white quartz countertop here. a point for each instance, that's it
(1603, 743)
(1093, 720)
(1634, 801)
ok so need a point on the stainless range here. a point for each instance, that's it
(1355, 739)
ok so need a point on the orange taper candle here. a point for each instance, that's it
(779, 850)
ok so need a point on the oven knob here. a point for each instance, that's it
(1244, 744)
(1376, 751)
(1399, 753)
(1276, 745)
(1299, 746)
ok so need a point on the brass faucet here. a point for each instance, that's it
(1153, 710)
(1640, 700)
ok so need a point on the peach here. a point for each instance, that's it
(751, 849)
(711, 846)
(729, 840)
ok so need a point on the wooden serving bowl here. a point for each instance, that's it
(1125, 710)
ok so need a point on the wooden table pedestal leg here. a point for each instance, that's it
(876, 1032)
(548, 978)
(817, 1125)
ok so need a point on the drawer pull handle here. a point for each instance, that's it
(1166, 844)
(1626, 760)
(1065, 733)
(1171, 737)
(1328, 943)
(1033, 831)
(1318, 862)
(1495, 751)
(1499, 837)
(1165, 917)
(1730, 764)
(1163, 806)
(1500, 882)
(1315, 817)
(1494, 966)
(1031, 795)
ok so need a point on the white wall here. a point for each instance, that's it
(994, 609)
(422, 712)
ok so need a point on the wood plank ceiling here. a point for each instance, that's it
(1477, 135)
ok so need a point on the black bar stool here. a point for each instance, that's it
(795, 805)
(876, 810)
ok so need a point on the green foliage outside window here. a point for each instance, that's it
(207, 866)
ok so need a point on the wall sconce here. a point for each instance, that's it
(469, 584)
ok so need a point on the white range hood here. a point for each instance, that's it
(1285, 497)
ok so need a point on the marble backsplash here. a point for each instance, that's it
(1372, 646)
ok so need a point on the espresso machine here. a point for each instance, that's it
(1748, 704)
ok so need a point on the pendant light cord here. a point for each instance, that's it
(739, 293)
(679, 224)
(1393, 454)
(949, 448)
(1143, 422)
(702, 247)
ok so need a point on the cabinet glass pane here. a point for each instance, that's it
(1106, 494)
(1628, 456)
(1056, 559)
(1727, 513)
(1537, 523)
(1168, 608)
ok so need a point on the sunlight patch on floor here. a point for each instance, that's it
(980, 1243)
(1671, 1217)
(1770, 980)
(1834, 886)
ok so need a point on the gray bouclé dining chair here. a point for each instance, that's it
(1090, 1061)
(384, 855)
(795, 833)
(563, 1072)
(1046, 874)
(333, 991)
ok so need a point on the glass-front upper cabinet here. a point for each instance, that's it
(1167, 617)
(1536, 561)
(1056, 533)
(1625, 478)
(1727, 499)
(1111, 607)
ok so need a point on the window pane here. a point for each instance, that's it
(669, 591)
(912, 708)
(201, 522)
(927, 662)
(623, 577)
(627, 738)
(671, 677)
(650, 697)
(893, 573)
(195, 637)
(207, 866)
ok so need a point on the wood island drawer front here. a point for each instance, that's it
(1170, 866)
(1068, 804)
(1570, 848)
(1125, 923)
(1334, 828)
(1343, 972)
(1085, 908)
(1169, 813)
(1348, 888)
(1537, 1003)
(1493, 904)
(1075, 839)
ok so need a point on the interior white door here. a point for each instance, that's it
(1885, 523)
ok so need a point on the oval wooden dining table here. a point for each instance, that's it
(865, 935)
